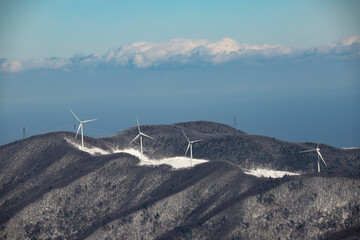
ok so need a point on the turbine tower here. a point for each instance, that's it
(82, 128)
(190, 146)
(317, 149)
(140, 135)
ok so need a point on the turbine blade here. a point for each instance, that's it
(89, 120)
(187, 149)
(137, 119)
(197, 141)
(311, 150)
(319, 142)
(321, 157)
(147, 136)
(185, 135)
(78, 130)
(134, 139)
(75, 116)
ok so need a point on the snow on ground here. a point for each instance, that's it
(92, 151)
(260, 172)
(175, 162)
(350, 148)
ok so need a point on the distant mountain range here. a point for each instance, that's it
(51, 189)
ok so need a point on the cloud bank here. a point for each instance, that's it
(181, 52)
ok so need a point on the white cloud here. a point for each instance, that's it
(347, 47)
(52, 63)
(47, 63)
(350, 40)
(184, 52)
(145, 54)
(11, 66)
(223, 46)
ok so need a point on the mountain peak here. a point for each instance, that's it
(209, 127)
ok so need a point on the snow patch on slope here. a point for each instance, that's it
(92, 150)
(175, 162)
(260, 172)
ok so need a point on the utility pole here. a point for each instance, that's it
(24, 133)
(235, 122)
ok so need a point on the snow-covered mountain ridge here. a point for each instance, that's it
(51, 188)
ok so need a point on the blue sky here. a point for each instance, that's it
(286, 69)
(35, 29)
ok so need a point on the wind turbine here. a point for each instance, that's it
(190, 146)
(317, 149)
(140, 135)
(82, 128)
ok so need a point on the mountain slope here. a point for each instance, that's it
(309, 208)
(50, 188)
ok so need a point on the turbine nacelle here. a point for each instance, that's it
(195, 141)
